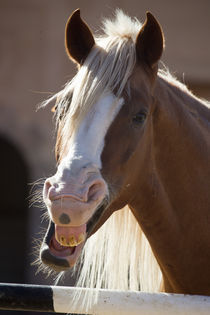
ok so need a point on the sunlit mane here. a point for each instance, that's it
(123, 259)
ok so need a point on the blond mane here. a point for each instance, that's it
(118, 256)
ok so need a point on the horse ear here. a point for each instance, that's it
(78, 38)
(150, 41)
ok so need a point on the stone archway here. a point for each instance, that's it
(13, 213)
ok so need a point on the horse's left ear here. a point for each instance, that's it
(78, 38)
(150, 42)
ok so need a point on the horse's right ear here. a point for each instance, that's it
(78, 38)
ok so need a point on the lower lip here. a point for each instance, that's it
(59, 250)
(69, 253)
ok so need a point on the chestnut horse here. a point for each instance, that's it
(129, 137)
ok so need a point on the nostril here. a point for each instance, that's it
(49, 190)
(47, 185)
(94, 190)
(53, 193)
(46, 188)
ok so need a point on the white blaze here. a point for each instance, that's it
(88, 143)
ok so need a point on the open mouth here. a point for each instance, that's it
(60, 257)
(57, 256)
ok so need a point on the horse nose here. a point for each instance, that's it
(73, 190)
(73, 201)
(73, 208)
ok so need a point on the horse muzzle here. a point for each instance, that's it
(72, 201)
(73, 206)
(62, 257)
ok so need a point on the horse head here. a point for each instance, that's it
(104, 120)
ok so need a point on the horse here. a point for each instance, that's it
(129, 204)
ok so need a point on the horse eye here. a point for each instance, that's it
(139, 118)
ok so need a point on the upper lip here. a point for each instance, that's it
(90, 224)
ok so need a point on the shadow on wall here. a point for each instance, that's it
(13, 215)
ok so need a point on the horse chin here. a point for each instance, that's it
(61, 258)
(56, 256)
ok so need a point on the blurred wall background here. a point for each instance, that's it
(33, 64)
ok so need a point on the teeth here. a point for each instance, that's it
(63, 241)
(72, 240)
(81, 238)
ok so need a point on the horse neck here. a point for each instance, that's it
(173, 207)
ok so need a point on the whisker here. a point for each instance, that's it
(35, 196)
(37, 243)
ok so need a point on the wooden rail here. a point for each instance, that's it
(59, 300)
